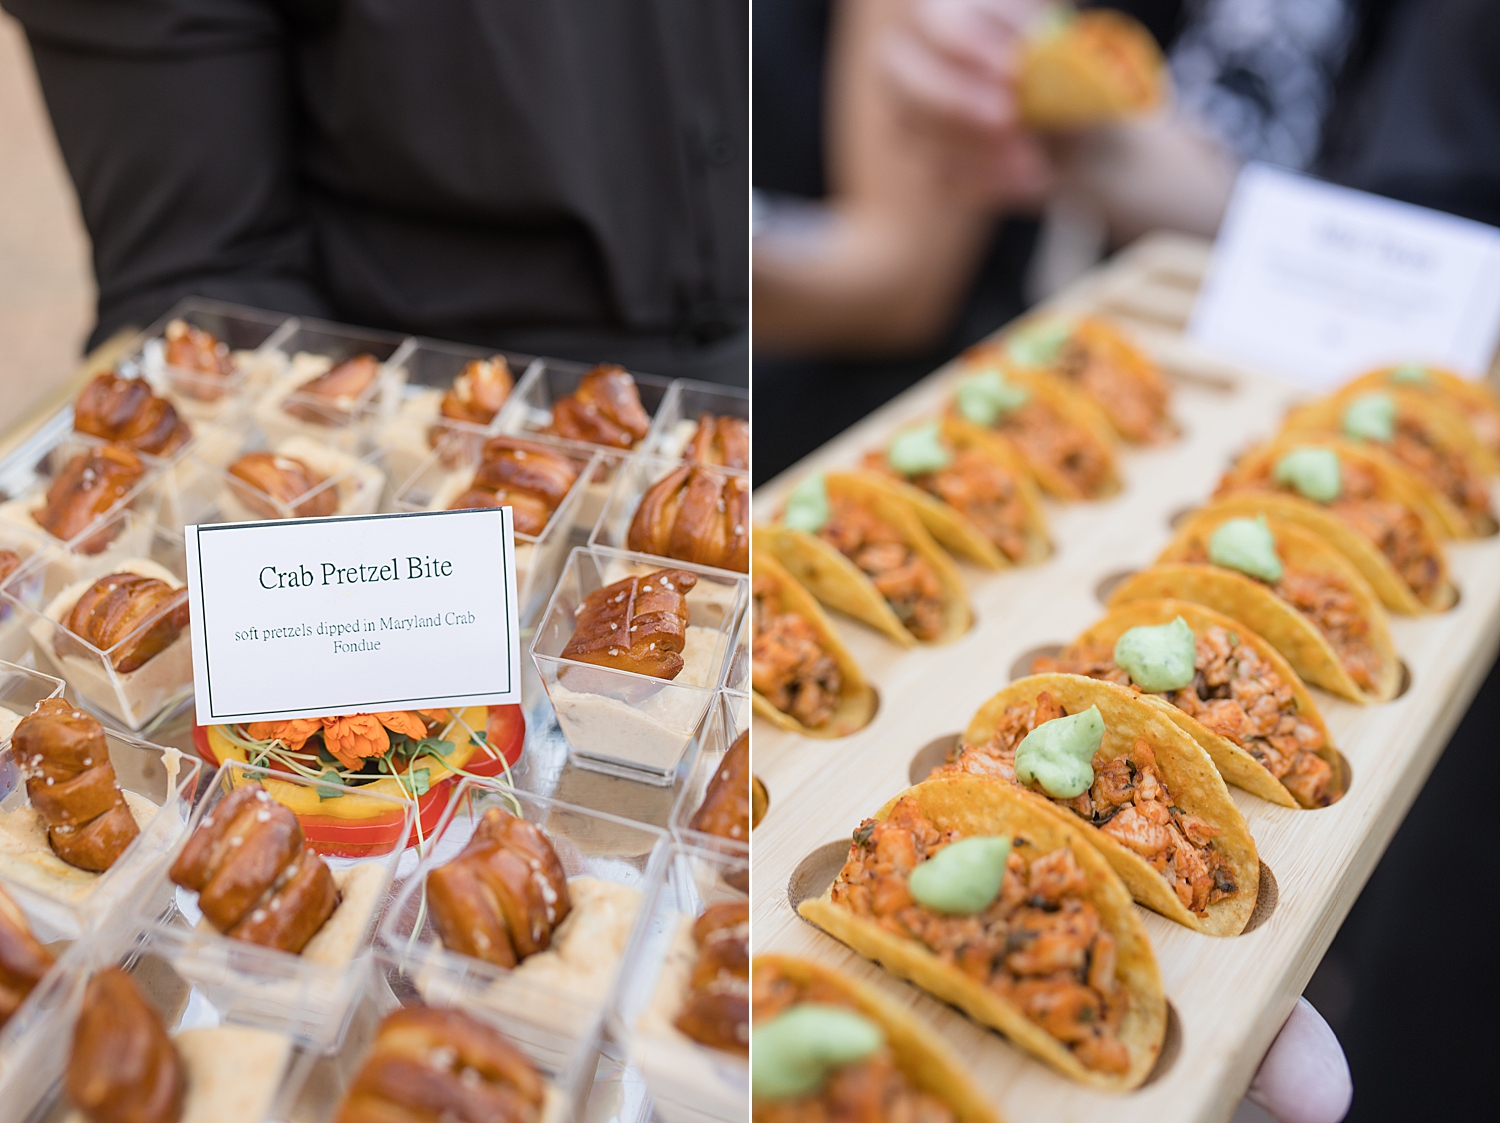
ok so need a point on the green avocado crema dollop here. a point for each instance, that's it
(1312, 473)
(963, 878)
(1059, 754)
(987, 397)
(1248, 546)
(1158, 657)
(1039, 344)
(1371, 417)
(1411, 373)
(920, 450)
(807, 508)
(794, 1053)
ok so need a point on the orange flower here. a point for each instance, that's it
(404, 721)
(354, 737)
(293, 734)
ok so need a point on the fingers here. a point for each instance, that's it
(1304, 1077)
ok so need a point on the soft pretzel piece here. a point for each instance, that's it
(10, 561)
(123, 1068)
(528, 478)
(475, 396)
(605, 409)
(502, 898)
(638, 624)
(256, 880)
(695, 514)
(88, 486)
(725, 810)
(126, 411)
(23, 960)
(119, 605)
(284, 479)
(193, 349)
(723, 442)
(72, 785)
(717, 1009)
(430, 1064)
(326, 399)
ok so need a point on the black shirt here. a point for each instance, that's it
(566, 177)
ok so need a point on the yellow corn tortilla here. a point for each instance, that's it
(842, 585)
(1087, 69)
(1441, 426)
(1186, 769)
(857, 699)
(1235, 764)
(1476, 403)
(954, 530)
(1245, 484)
(1099, 337)
(926, 1059)
(1259, 608)
(977, 806)
(1069, 403)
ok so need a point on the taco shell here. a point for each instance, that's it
(857, 700)
(1441, 426)
(924, 1057)
(1240, 490)
(1235, 764)
(1475, 402)
(842, 585)
(955, 531)
(1187, 770)
(1069, 403)
(1089, 68)
(974, 805)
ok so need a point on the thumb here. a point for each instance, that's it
(1304, 1077)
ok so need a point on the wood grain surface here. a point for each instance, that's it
(1228, 996)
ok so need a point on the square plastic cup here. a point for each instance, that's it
(686, 401)
(636, 477)
(21, 689)
(21, 534)
(622, 722)
(689, 1082)
(530, 411)
(384, 988)
(554, 999)
(197, 395)
(358, 483)
(362, 837)
(63, 903)
(261, 1067)
(304, 351)
(723, 727)
(131, 697)
(447, 472)
(407, 412)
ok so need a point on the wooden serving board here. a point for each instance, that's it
(1228, 997)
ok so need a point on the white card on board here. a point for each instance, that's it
(1315, 283)
(321, 617)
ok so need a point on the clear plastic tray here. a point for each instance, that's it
(266, 1063)
(620, 721)
(309, 993)
(689, 1082)
(131, 698)
(61, 902)
(686, 401)
(407, 411)
(447, 471)
(637, 476)
(547, 1004)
